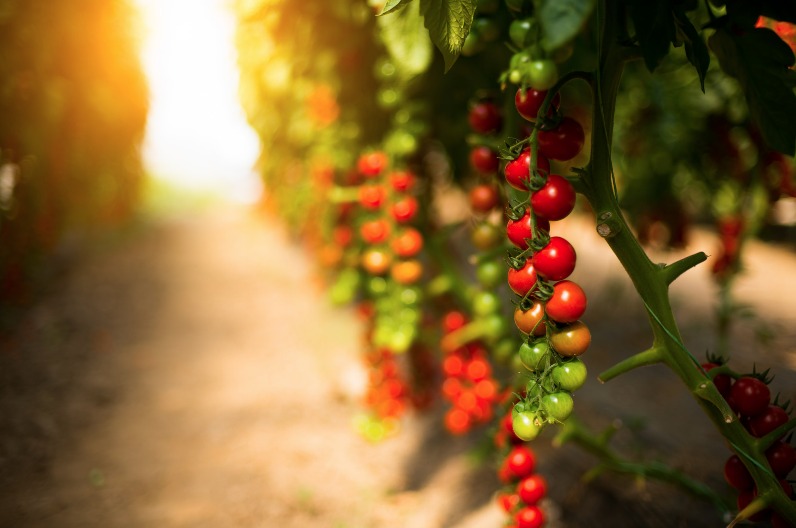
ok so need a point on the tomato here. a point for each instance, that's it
(522, 281)
(484, 198)
(485, 236)
(567, 304)
(402, 181)
(529, 102)
(473, 43)
(485, 303)
(542, 74)
(765, 422)
(406, 271)
(407, 243)
(723, 382)
(453, 320)
(457, 421)
(571, 340)
(518, 171)
(521, 461)
(749, 396)
(518, 231)
(569, 375)
(782, 458)
(563, 142)
(529, 517)
(484, 160)
(375, 231)
(555, 200)
(531, 320)
(487, 27)
(404, 209)
(486, 389)
(508, 501)
(477, 369)
(453, 366)
(376, 261)
(371, 164)
(485, 117)
(526, 427)
(518, 32)
(534, 355)
(555, 261)
(557, 405)
(371, 196)
(532, 489)
(736, 474)
(489, 273)
(342, 235)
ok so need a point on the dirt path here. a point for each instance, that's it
(192, 376)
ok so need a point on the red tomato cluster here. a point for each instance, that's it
(524, 488)
(467, 382)
(387, 394)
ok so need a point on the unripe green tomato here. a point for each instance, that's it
(557, 405)
(384, 69)
(485, 303)
(541, 74)
(515, 76)
(570, 375)
(377, 285)
(518, 32)
(489, 273)
(534, 355)
(411, 295)
(388, 97)
(473, 43)
(488, 28)
(400, 341)
(504, 351)
(486, 236)
(526, 426)
(495, 327)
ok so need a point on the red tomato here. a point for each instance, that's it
(453, 320)
(342, 235)
(485, 117)
(528, 102)
(523, 280)
(375, 231)
(408, 243)
(457, 421)
(723, 382)
(371, 164)
(765, 422)
(484, 160)
(484, 198)
(521, 461)
(402, 181)
(749, 396)
(508, 501)
(563, 142)
(530, 517)
(567, 304)
(782, 458)
(404, 209)
(518, 171)
(518, 231)
(531, 320)
(555, 200)
(532, 489)
(736, 474)
(555, 261)
(371, 196)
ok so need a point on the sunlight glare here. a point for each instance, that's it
(197, 135)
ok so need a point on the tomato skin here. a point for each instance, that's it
(569, 375)
(518, 31)
(408, 243)
(736, 474)
(523, 280)
(521, 461)
(485, 236)
(407, 271)
(508, 501)
(571, 340)
(342, 235)
(555, 261)
(371, 196)
(530, 517)
(484, 160)
(525, 426)
(567, 304)
(723, 382)
(765, 422)
(542, 74)
(485, 117)
(533, 355)
(405, 209)
(517, 171)
(489, 273)
(375, 231)
(402, 181)
(557, 405)
(749, 396)
(531, 320)
(370, 164)
(563, 142)
(457, 421)
(529, 102)
(532, 489)
(518, 231)
(376, 261)
(782, 458)
(485, 303)
(484, 198)
(555, 200)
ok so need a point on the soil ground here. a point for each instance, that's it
(192, 374)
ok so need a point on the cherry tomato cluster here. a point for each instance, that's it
(468, 383)
(523, 488)
(750, 397)
(387, 392)
(550, 306)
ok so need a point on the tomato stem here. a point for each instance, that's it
(675, 269)
(651, 356)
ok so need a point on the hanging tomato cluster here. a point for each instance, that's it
(523, 488)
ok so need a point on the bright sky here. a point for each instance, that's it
(197, 135)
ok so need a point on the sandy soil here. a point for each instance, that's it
(192, 375)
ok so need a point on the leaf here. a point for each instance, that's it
(448, 23)
(407, 40)
(655, 29)
(761, 62)
(695, 48)
(393, 5)
(561, 20)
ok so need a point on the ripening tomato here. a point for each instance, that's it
(532, 489)
(371, 164)
(567, 304)
(528, 102)
(563, 142)
(408, 242)
(484, 198)
(376, 261)
(402, 181)
(375, 231)
(523, 280)
(485, 236)
(371, 196)
(485, 117)
(749, 396)
(531, 320)
(405, 209)
(407, 271)
(571, 340)
(484, 160)
(518, 171)
(555, 261)
(519, 231)
(555, 200)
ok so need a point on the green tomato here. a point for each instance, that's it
(490, 273)
(533, 355)
(485, 303)
(488, 28)
(518, 32)
(526, 425)
(570, 375)
(495, 327)
(557, 406)
(473, 43)
(515, 76)
(541, 74)
(503, 351)
(377, 285)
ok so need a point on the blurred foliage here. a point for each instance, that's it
(74, 103)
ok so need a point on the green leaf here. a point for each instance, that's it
(392, 5)
(655, 29)
(561, 20)
(407, 41)
(761, 62)
(695, 48)
(448, 23)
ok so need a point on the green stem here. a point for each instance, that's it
(650, 356)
